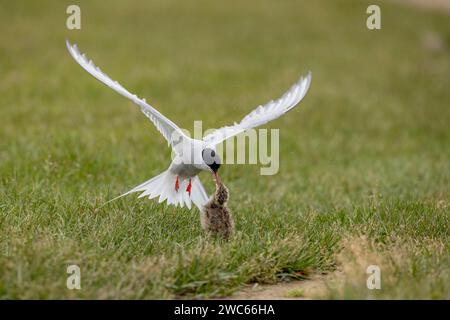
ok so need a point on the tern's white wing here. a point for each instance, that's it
(166, 127)
(263, 113)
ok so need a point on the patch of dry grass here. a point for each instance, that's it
(410, 269)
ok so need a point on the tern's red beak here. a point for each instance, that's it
(216, 177)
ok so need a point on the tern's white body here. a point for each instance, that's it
(183, 170)
(179, 184)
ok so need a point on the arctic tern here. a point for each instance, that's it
(180, 184)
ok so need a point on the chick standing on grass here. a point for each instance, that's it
(216, 217)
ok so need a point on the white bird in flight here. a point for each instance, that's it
(179, 184)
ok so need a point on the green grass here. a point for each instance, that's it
(366, 153)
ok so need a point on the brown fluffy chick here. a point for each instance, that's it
(216, 218)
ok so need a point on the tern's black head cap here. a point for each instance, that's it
(212, 159)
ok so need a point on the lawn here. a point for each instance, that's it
(364, 160)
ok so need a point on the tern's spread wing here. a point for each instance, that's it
(166, 127)
(263, 113)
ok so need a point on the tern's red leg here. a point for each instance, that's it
(189, 187)
(177, 185)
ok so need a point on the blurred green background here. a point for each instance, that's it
(366, 153)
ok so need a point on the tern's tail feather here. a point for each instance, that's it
(163, 186)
